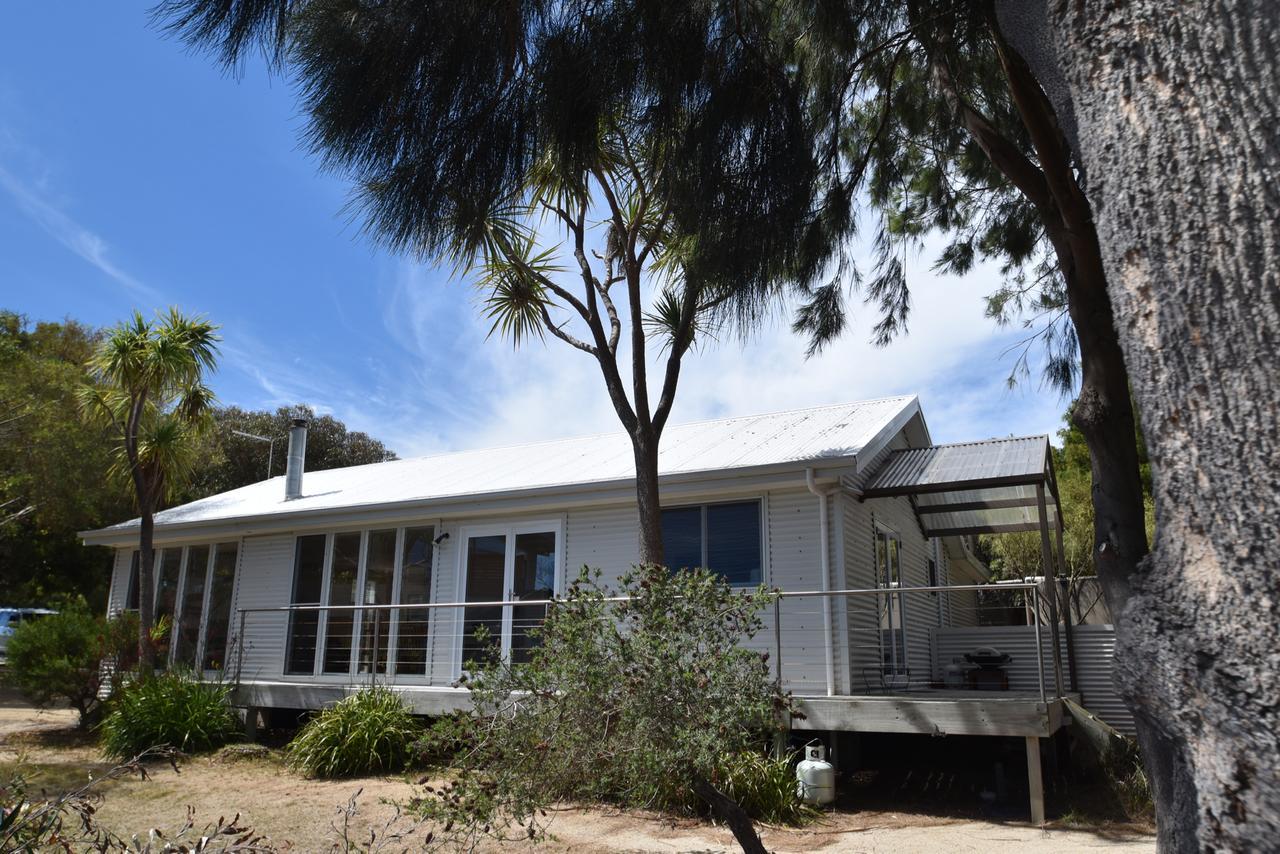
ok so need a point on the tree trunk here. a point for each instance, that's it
(1178, 106)
(733, 816)
(146, 586)
(646, 456)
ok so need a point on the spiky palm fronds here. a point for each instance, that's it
(515, 290)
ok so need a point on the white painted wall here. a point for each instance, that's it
(599, 537)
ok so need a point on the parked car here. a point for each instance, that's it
(11, 618)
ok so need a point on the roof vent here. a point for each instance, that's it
(297, 459)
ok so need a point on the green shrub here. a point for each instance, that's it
(172, 709)
(371, 731)
(58, 659)
(764, 786)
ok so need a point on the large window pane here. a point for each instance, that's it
(187, 632)
(535, 578)
(415, 589)
(682, 537)
(220, 590)
(342, 591)
(131, 593)
(482, 626)
(733, 541)
(379, 571)
(308, 581)
(170, 564)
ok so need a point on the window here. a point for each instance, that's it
(354, 569)
(506, 564)
(308, 580)
(131, 594)
(415, 589)
(169, 562)
(893, 636)
(221, 584)
(339, 625)
(724, 538)
(186, 634)
(379, 576)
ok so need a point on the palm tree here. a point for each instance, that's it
(147, 391)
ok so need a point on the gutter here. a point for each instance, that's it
(824, 552)
(621, 490)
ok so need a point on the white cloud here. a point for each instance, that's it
(32, 199)
(466, 391)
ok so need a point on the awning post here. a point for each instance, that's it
(1051, 585)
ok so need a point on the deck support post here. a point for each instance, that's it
(1035, 780)
(251, 723)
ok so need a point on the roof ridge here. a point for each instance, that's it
(1044, 436)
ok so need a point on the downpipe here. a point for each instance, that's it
(824, 561)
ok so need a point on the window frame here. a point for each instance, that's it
(902, 646)
(509, 530)
(761, 509)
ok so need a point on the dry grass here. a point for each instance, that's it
(286, 807)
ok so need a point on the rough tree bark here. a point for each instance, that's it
(1178, 106)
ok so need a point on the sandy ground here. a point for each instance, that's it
(307, 813)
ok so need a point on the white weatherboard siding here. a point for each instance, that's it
(795, 564)
(264, 580)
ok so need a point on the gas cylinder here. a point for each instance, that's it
(815, 776)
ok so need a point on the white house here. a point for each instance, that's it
(848, 509)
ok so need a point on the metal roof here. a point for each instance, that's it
(828, 435)
(987, 487)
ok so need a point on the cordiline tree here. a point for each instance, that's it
(146, 391)
(616, 299)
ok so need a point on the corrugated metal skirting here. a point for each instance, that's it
(1095, 654)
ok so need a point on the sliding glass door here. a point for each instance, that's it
(506, 564)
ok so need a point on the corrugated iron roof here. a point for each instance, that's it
(984, 487)
(826, 434)
(939, 467)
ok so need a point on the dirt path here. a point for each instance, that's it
(285, 807)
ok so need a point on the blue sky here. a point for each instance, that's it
(134, 174)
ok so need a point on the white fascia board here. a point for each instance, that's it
(891, 428)
(542, 499)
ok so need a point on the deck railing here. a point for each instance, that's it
(855, 641)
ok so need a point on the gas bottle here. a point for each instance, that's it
(815, 776)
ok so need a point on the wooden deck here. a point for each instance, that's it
(934, 712)
(923, 711)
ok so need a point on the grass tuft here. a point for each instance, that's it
(369, 732)
(168, 709)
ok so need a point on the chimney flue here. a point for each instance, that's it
(297, 459)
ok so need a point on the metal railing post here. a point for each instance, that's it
(1035, 601)
(777, 639)
(373, 664)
